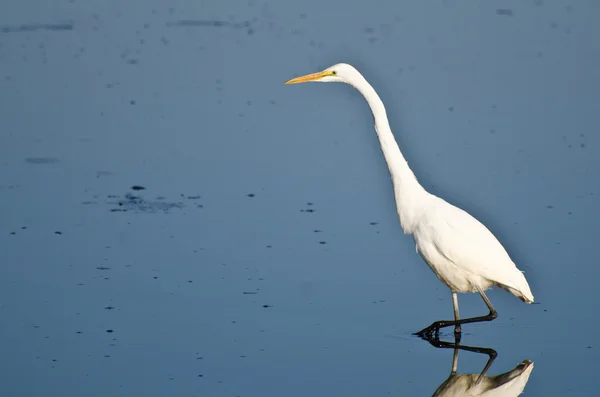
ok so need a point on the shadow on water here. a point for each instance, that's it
(510, 383)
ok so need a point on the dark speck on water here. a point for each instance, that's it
(266, 306)
(37, 26)
(57, 232)
(41, 160)
(204, 23)
(505, 12)
(138, 203)
(110, 331)
(250, 195)
(322, 242)
(137, 187)
(103, 268)
(109, 307)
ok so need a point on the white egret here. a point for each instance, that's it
(459, 249)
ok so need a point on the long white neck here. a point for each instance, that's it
(410, 195)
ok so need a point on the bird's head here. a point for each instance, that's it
(339, 73)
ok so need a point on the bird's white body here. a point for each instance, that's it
(463, 253)
(460, 250)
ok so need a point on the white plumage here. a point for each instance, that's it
(459, 249)
(464, 254)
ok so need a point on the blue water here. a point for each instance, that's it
(177, 221)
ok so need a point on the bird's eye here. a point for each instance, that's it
(333, 72)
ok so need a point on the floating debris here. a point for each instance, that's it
(505, 12)
(131, 202)
(37, 26)
(41, 160)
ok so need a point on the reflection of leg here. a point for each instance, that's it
(435, 327)
(455, 360)
(456, 316)
(491, 353)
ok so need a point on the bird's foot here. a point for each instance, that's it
(434, 329)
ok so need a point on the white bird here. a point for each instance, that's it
(459, 249)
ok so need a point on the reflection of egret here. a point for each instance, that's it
(460, 250)
(508, 384)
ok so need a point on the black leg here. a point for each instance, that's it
(434, 328)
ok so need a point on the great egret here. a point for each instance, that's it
(459, 249)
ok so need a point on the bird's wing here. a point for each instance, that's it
(466, 242)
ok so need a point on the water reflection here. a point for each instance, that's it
(511, 383)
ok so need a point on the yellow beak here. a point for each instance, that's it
(310, 77)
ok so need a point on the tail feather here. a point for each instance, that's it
(520, 288)
(525, 296)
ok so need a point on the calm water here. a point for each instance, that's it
(178, 222)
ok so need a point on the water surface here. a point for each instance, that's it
(176, 221)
